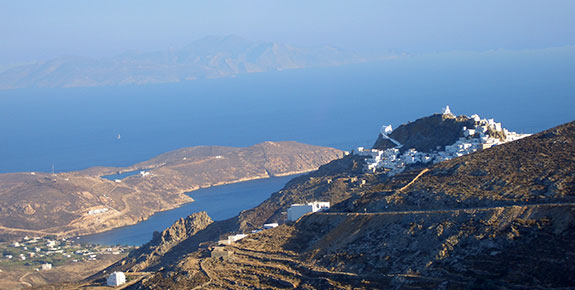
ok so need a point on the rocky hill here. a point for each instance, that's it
(433, 139)
(81, 202)
(161, 243)
(499, 218)
(428, 133)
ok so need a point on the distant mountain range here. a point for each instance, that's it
(209, 57)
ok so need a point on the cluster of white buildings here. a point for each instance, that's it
(485, 133)
(298, 210)
(35, 249)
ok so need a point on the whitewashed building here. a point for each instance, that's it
(98, 211)
(46, 267)
(298, 210)
(270, 226)
(235, 238)
(232, 239)
(116, 279)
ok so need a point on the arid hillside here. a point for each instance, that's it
(82, 202)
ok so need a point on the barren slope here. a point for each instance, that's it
(42, 204)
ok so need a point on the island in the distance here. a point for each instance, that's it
(84, 202)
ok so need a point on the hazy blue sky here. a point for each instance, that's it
(36, 30)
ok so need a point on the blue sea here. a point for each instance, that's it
(342, 107)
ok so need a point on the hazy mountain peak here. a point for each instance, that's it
(208, 57)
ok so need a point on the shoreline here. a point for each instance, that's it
(187, 192)
(80, 232)
(79, 203)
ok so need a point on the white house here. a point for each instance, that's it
(270, 226)
(116, 279)
(46, 267)
(468, 132)
(298, 210)
(98, 211)
(235, 238)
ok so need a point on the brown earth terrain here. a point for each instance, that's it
(21, 279)
(501, 218)
(41, 204)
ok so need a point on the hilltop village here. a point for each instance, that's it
(483, 134)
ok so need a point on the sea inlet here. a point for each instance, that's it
(220, 202)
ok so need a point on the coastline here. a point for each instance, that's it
(82, 202)
(187, 192)
(119, 224)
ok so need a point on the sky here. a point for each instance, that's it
(39, 30)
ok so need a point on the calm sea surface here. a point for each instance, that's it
(342, 107)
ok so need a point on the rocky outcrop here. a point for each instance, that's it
(161, 243)
(427, 134)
